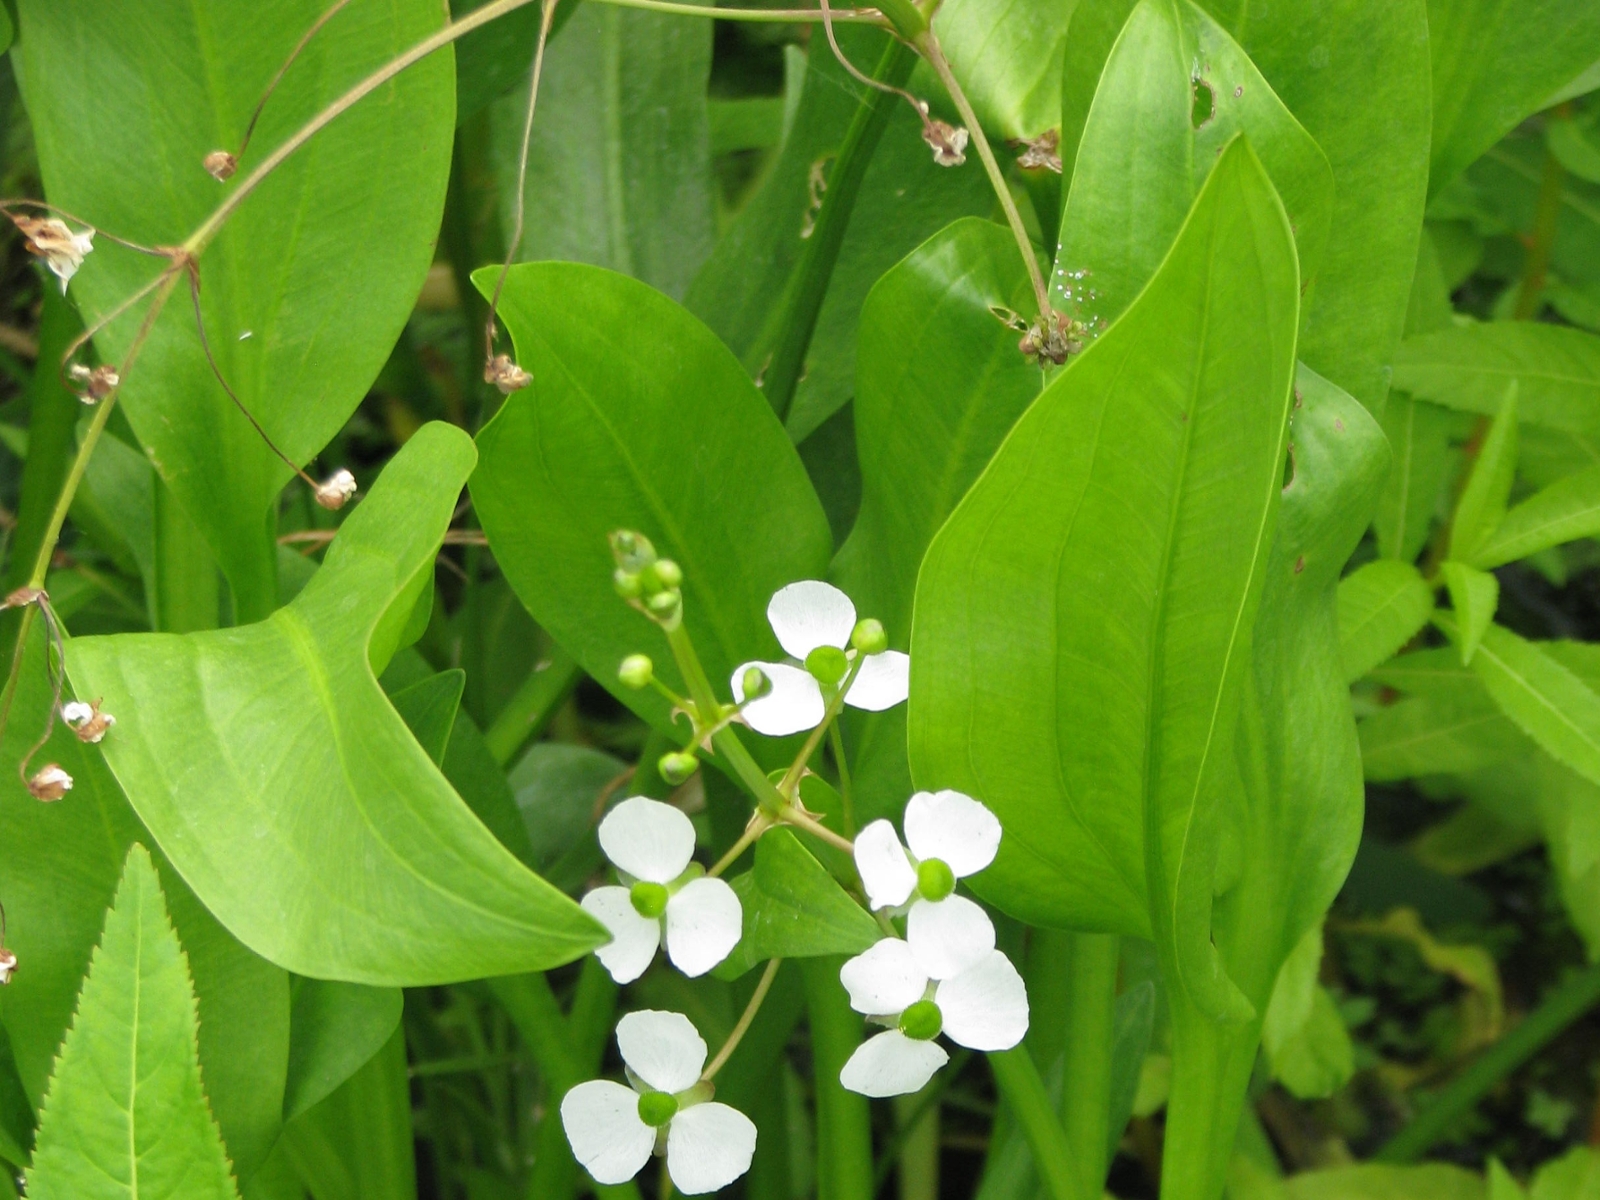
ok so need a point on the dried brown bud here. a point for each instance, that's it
(61, 249)
(949, 142)
(505, 374)
(50, 783)
(22, 597)
(1055, 339)
(333, 493)
(221, 165)
(97, 382)
(86, 720)
(1043, 151)
(8, 966)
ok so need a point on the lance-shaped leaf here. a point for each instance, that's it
(306, 286)
(639, 418)
(1145, 152)
(939, 383)
(1419, 436)
(126, 1115)
(1469, 367)
(1084, 617)
(1483, 501)
(1563, 512)
(288, 792)
(1381, 608)
(1474, 595)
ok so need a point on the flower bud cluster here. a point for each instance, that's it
(652, 584)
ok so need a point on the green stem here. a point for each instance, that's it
(1091, 1013)
(847, 807)
(1024, 1092)
(910, 1117)
(758, 825)
(844, 1119)
(528, 711)
(1211, 1065)
(1546, 220)
(791, 777)
(728, 745)
(809, 283)
(918, 1125)
(1568, 1002)
(187, 588)
(763, 986)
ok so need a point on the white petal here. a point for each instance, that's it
(76, 712)
(886, 872)
(883, 980)
(883, 681)
(603, 1126)
(948, 935)
(953, 828)
(662, 1048)
(809, 614)
(892, 1064)
(648, 839)
(633, 938)
(794, 704)
(986, 1006)
(708, 1147)
(704, 922)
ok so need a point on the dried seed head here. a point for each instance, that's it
(22, 597)
(221, 165)
(949, 142)
(505, 374)
(97, 382)
(61, 249)
(8, 966)
(1043, 151)
(49, 782)
(336, 490)
(86, 720)
(1054, 339)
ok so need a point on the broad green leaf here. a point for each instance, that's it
(1573, 148)
(1573, 1176)
(939, 383)
(307, 286)
(1468, 367)
(638, 418)
(1502, 1184)
(619, 166)
(794, 909)
(1091, 34)
(1438, 734)
(429, 708)
(1083, 618)
(1381, 608)
(1143, 156)
(126, 1114)
(1377, 1181)
(1494, 65)
(1563, 512)
(1549, 702)
(1008, 55)
(481, 782)
(336, 1028)
(1303, 1035)
(905, 199)
(357, 1143)
(557, 786)
(1355, 74)
(289, 793)
(1482, 505)
(494, 58)
(1430, 306)
(1419, 435)
(61, 863)
(1474, 595)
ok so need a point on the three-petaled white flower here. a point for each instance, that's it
(62, 250)
(951, 836)
(613, 1130)
(984, 1007)
(651, 845)
(815, 622)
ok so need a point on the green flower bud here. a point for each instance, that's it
(922, 1021)
(669, 573)
(664, 606)
(756, 683)
(827, 664)
(649, 899)
(935, 880)
(677, 766)
(636, 671)
(632, 551)
(627, 583)
(657, 1108)
(868, 637)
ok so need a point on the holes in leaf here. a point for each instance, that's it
(1288, 467)
(1205, 104)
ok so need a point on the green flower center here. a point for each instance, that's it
(827, 665)
(935, 880)
(649, 899)
(922, 1021)
(657, 1108)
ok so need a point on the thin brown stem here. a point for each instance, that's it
(519, 209)
(768, 16)
(828, 18)
(284, 70)
(82, 340)
(745, 1020)
(54, 210)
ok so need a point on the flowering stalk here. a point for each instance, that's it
(745, 1019)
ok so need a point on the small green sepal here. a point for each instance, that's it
(827, 665)
(935, 879)
(649, 899)
(657, 1108)
(922, 1021)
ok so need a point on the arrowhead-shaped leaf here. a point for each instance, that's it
(288, 792)
(126, 1116)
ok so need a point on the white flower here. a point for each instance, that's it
(86, 720)
(76, 712)
(984, 1007)
(814, 622)
(651, 844)
(62, 250)
(952, 836)
(613, 1130)
(8, 965)
(334, 492)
